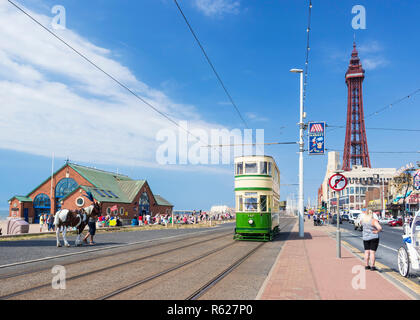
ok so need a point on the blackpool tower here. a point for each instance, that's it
(355, 146)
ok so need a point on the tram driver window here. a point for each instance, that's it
(251, 167)
(240, 168)
(263, 167)
(251, 204)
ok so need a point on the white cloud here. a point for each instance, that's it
(253, 116)
(54, 101)
(374, 63)
(218, 7)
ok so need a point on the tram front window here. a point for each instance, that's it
(251, 167)
(251, 204)
(263, 167)
(239, 168)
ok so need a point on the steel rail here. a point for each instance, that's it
(20, 292)
(100, 249)
(26, 272)
(159, 274)
(198, 293)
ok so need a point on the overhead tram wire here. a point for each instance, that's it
(103, 71)
(385, 152)
(389, 106)
(308, 48)
(247, 144)
(211, 64)
(385, 129)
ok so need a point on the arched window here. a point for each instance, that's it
(63, 188)
(42, 205)
(144, 204)
(42, 201)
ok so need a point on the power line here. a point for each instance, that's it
(385, 129)
(103, 71)
(383, 109)
(308, 48)
(380, 151)
(248, 144)
(389, 106)
(211, 64)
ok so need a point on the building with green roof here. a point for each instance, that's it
(66, 188)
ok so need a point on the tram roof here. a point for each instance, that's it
(255, 156)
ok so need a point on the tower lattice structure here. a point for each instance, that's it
(355, 146)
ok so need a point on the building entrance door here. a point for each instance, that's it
(26, 214)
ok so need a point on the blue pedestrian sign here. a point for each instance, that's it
(316, 135)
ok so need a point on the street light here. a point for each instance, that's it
(301, 128)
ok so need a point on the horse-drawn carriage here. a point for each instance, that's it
(409, 253)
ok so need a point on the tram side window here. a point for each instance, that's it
(263, 167)
(269, 168)
(240, 168)
(240, 204)
(263, 203)
(251, 167)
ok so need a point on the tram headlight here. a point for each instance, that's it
(250, 221)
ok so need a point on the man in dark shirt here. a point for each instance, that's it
(92, 230)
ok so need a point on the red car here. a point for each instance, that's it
(396, 222)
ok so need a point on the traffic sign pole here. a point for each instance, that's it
(338, 182)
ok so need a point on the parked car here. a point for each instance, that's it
(345, 217)
(353, 216)
(385, 220)
(396, 222)
(358, 223)
(334, 219)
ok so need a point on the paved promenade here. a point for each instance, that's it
(309, 269)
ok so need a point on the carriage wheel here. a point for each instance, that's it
(403, 262)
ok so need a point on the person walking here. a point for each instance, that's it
(50, 222)
(370, 235)
(92, 230)
(41, 222)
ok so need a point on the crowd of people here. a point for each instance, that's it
(144, 219)
(46, 220)
(193, 218)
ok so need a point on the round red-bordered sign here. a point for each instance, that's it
(337, 182)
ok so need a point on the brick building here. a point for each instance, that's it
(66, 187)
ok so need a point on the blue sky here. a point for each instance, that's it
(53, 101)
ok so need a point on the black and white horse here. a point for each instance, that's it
(78, 219)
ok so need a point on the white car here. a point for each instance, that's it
(353, 216)
(385, 220)
(358, 221)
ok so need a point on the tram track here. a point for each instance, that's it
(16, 264)
(204, 288)
(140, 243)
(198, 293)
(164, 272)
(155, 275)
(114, 266)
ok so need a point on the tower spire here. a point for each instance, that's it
(355, 146)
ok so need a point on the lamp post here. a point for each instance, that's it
(301, 128)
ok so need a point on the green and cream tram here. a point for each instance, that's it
(257, 195)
